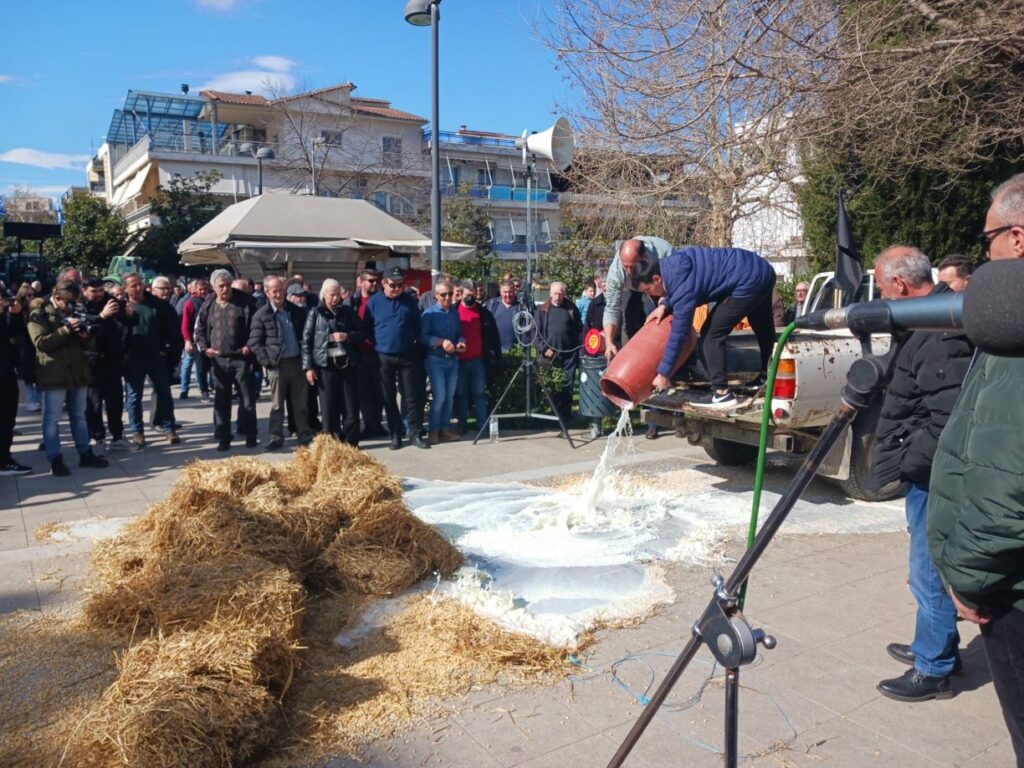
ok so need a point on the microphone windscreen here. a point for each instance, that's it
(994, 308)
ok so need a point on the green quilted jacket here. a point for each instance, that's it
(976, 497)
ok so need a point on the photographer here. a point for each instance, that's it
(62, 375)
(12, 326)
(330, 346)
(103, 317)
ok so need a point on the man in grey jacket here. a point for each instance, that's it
(623, 300)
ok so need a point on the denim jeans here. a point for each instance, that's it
(936, 640)
(472, 385)
(135, 372)
(53, 405)
(202, 366)
(443, 372)
(31, 394)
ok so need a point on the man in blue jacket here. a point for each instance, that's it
(739, 282)
(396, 326)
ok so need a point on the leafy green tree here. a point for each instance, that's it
(93, 233)
(923, 208)
(463, 221)
(182, 207)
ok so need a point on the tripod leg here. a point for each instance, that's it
(732, 711)
(561, 424)
(497, 405)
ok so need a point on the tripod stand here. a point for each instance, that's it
(722, 626)
(527, 366)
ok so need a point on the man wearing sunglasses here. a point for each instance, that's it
(371, 401)
(976, 500)
(395, 316)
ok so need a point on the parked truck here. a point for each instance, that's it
(811, 373)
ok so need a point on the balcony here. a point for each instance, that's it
(499, 192)
(452, 137)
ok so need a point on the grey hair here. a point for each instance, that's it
(559, 283)
(220, 274)
(442, 281)
(906, 262)
(1008, 200)
(272, 279)
(159, 281)
(468, 285)
(329, 284)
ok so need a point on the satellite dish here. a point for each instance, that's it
(554, 144)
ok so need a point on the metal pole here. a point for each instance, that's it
(435, 153)
(529, 285)
(259, 164)
(312, 165)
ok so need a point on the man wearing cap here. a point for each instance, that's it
(371, 401)
(396, 327)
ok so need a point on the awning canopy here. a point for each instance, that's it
(298, 228)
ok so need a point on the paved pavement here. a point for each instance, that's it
(833, 601)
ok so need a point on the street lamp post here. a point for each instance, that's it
(422, 13)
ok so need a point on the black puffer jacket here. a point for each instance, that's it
(265, 334)
(320, 324)
(930, 371)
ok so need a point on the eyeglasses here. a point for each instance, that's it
(986, 237)
(394, 285)
(443, 295)
(369, 279)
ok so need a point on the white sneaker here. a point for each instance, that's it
(120, 445)
(34, 407)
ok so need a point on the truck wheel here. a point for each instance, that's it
(860, 484)
(730, 454)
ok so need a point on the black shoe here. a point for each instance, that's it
(251, 442)
(396, 442)
(59, 468)
(275, 445)
(652, 432)
(183, 396)
(224, 445)
(419, 442)
(902, 653)
(41, 447)
(913, 686)
(717, 401)
(90, 459)
(14, 468)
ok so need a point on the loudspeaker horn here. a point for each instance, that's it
(555, 144)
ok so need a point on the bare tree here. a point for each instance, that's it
(688, 100)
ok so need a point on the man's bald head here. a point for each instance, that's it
(631, 253)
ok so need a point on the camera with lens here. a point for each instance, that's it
(87, 321)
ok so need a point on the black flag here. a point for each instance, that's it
(848, 267)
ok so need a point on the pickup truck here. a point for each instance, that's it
(811, 373)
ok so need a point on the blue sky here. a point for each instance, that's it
(67, 65)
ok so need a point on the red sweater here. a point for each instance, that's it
(472, 332)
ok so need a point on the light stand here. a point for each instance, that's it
(722, 626)
(527, 365)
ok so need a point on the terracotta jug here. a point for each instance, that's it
(627, 382)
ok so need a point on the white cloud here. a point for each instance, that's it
(47, 190)
(39, 159)
(6, 78)
(258, 81)
(275, 63)
(271, 75)
(218, 5)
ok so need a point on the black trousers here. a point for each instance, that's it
(407, 368)
(8, 415)
(106, 395)
(563, 397)
(723, 318)
(371, 400)
(1003, 640)
(638, 306)
(339, 401)
(228, 373)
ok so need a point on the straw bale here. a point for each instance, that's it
(235, 476)
(174, 595)
(386, 549)
(204, 698)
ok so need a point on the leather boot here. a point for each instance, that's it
(449, 436)
(435, 437)
(418, 441)
(913, 686)
(396, 441)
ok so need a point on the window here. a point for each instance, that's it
(452, 174)
(483, 177)
(332, 138)
(392, 146)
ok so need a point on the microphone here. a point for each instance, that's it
(989, 311)
(942, 312)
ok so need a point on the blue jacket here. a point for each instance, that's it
(436, 324)
(695, 275)
(396, 323)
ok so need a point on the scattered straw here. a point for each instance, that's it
(57, 531)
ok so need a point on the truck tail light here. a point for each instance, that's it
(785, 380)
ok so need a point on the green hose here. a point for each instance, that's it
(766, 415)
